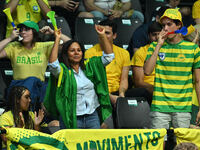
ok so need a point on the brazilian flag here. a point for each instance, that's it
(26, 139)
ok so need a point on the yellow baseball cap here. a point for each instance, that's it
(173, 14)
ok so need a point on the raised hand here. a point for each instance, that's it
(15, 34)
(162, 37)
(47, 30)
(38, 117)
(100, 29)
(58, 33)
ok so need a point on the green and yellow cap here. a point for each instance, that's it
(29, 24)
(173, 14)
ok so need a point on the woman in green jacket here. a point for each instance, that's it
(78, 88)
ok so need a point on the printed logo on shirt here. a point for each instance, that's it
(35, 8)
(181, 57)
(161, 56)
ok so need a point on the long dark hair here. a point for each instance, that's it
(14, 97)
(64, 54)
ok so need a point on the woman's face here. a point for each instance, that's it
(27, 34)
(75, 53)
(25, 101)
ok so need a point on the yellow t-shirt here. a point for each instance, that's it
(196, 9)
(7, 120)
(29, 63)
(114, 69)
(25, 10)
(138, 59)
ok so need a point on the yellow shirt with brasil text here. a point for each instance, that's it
(114, 69)
(29, 62)
(25, 10)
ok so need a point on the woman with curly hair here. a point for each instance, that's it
(17, 113)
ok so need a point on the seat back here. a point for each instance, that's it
(132, 113)
(125, 29)
(150, 6)
(85, 31)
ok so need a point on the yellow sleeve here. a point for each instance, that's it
(196, 10)
(6, 119)
(126, 57)
(139, 57)
(10, 48)
(88, 53)
(93, 51)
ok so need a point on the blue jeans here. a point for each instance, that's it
(98, 14)
(88, 121)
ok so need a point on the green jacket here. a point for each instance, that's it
(60, 96)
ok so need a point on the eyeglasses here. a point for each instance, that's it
(24, 28)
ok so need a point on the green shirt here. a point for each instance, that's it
(173, 76)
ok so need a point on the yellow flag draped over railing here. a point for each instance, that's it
(187, 135)
(87, 139)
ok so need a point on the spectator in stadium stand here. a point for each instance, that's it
(112, 9)
(175, 61)
(32, 10)
(18, 112)
(140, 80)
(117, 71)
(196, 11)
(28, 57)
(140, 35)
(81, 85)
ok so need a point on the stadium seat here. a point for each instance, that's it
(85, 31)
(150, 6)
(86, 34)
(132, 113)
(6, 71)
(125, 28)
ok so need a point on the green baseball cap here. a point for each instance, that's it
(29, 24)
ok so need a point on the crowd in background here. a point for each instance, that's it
(85, 84)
